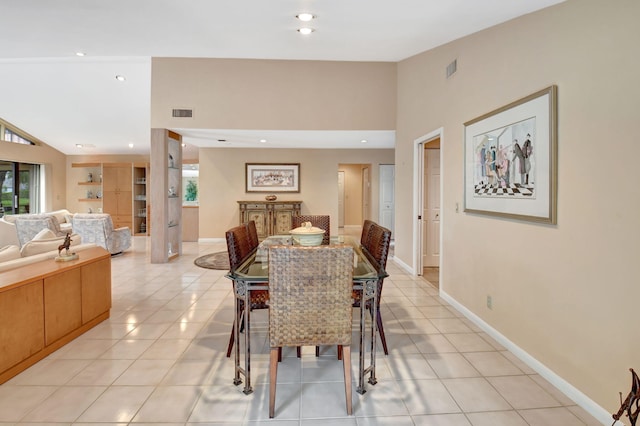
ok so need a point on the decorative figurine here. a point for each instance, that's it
(65, 245)
(631, 404)
(90, 177)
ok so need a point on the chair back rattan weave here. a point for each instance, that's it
(310, 295)
(366, 229)
(252, 234)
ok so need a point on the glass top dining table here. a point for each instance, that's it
(253, 274)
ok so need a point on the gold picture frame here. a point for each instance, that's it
(510, 160)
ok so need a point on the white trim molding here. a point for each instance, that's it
(562, 385)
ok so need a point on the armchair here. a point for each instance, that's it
(28, 226)
(98, 229)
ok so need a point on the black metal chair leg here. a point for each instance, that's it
(381, 333)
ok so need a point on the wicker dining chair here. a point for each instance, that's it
(319, 221)
(240, 244)
(366, 229)
(376, 245)
(310, 304)
(252, 234)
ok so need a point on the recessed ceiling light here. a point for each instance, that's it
(184, 144)
(79, 145)
(305, 17)
(120, 78)
(130, 145)
(363, 141)
(80, 54)
(263, 141)
(305, 30)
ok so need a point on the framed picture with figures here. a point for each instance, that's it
(510, 160)
(271, 177)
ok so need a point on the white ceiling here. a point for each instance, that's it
(66, 100)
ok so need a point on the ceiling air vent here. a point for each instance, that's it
(452, 67)
(182, 113)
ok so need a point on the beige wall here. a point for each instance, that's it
(567, 294)
(55, 169)
(281, 95)
(222, 182)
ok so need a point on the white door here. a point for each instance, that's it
(431, 213)
(387, 196)
(340, 199)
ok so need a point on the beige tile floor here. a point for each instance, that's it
(159, 360)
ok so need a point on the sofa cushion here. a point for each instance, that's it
(60, 215)
(45, 234)
(25, 261)
(9, 253)
(34, 246)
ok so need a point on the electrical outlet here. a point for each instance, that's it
(489, 302)
(457, 208)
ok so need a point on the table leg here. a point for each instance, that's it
(247, 349)
(374, 335)
(368, 296)
(236, 331)
(361, 371)
(242, 292)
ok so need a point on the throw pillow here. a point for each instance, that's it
(49, 245)
(45, 234)
(9, 253)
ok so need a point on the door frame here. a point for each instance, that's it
(418, 197)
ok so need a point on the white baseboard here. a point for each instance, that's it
(403, 265)
(211, 240)
(562, 385)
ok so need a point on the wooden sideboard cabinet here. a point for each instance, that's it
(271, 217)
(46, 304)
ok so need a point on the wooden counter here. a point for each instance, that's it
(46, 304)
(190, 223)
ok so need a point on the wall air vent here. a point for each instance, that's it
(452, 68)
(182, 113)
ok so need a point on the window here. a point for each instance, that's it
(10, 133)
(20, 186)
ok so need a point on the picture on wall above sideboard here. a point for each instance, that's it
(271, 177)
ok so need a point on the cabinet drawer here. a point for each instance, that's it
(283, 206)
(255, 207)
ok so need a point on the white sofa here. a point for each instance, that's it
(8, 234)
(43, 246)
(58, 221)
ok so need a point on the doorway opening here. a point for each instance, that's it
(427, 203)
(354, 195)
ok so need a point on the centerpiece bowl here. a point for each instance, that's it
(307, 235)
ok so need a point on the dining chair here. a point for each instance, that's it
(366, 228)
(252, 234)
(240, 244)
(319, 221)
(310, 304)
(376, 245)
